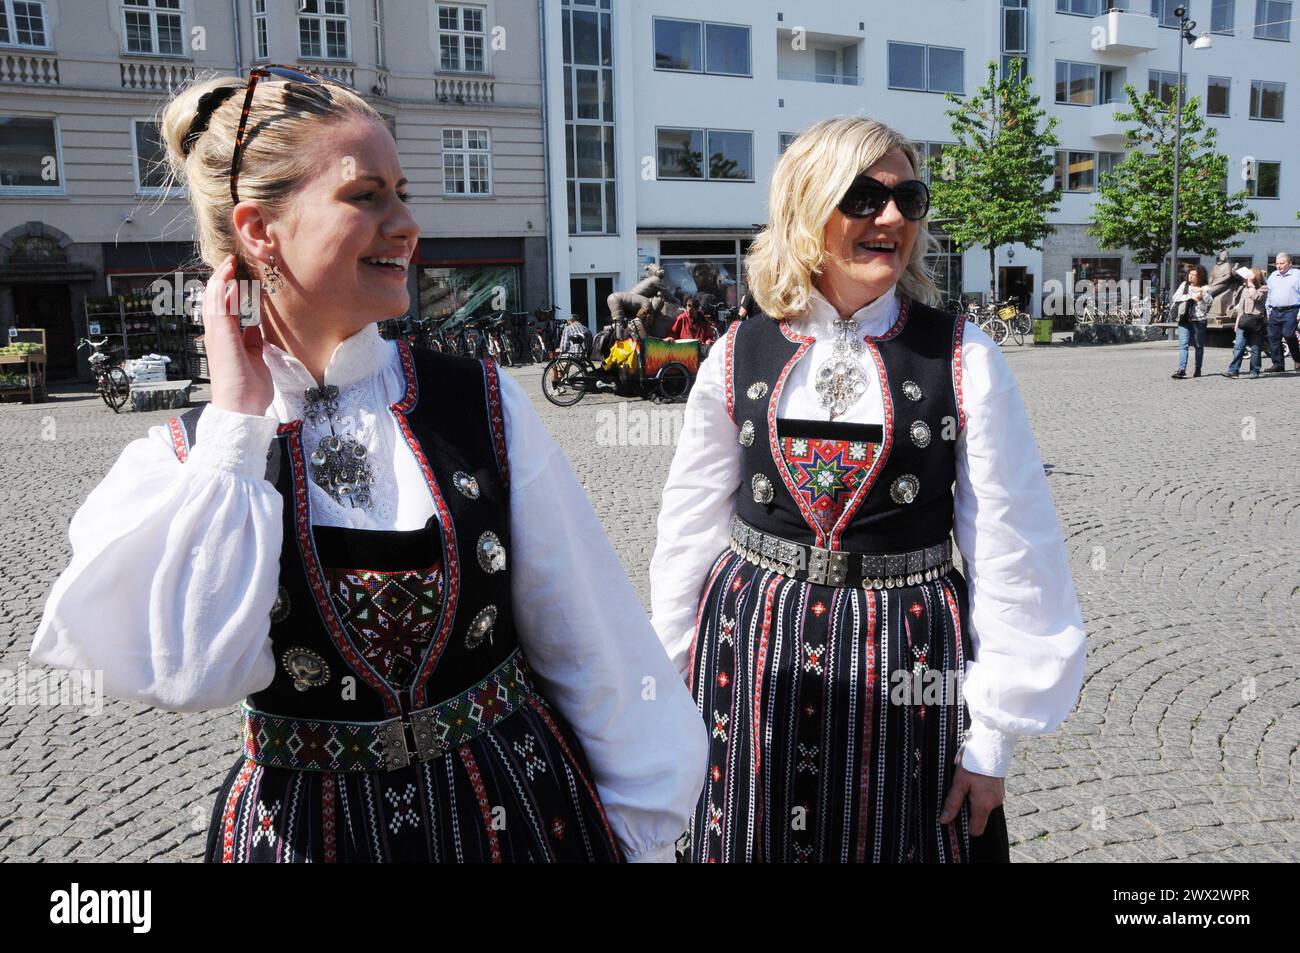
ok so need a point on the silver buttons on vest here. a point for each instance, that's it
(911, 390)
(307, 669)
(481, 627)
(757, 390)
(904, 488)
(762, 488)
(466, 484)
(747, 433)
(491, 554)
(920, 432)
(280, 611)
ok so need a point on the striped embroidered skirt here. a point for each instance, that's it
(521, 791)
(834, 717)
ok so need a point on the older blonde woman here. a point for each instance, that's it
(863, 696)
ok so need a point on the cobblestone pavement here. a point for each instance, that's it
(1183, 745)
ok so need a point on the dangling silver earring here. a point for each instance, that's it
(271, 277)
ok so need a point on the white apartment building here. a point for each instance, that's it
(639, 91)
(84, 208)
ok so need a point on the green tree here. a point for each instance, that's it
(1136, 207)
(992, 188)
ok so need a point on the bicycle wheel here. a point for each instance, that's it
(1024, 324)
(539, 349)
(1013, 329)
(673, 381)
(117, 388)
(997, 329)
(562, 381)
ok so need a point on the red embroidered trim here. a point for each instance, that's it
(180, 441)
(904, 309)
(868, 481)
(958, 331)
(228, 815)
(480, 793)
(497, 418)
(327, 817)
(729, 368)
(538, 704)
(412, 394)
(808, 515)
(950, 601)
(759, 667)
(868, 726)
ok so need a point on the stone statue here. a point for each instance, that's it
(1223, 285)
(650, 291)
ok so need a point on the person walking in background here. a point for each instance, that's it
(1283, 307)
(1192, 301)
(1249, 308)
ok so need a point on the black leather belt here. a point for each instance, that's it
(829, 567)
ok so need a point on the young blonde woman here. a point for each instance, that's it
(380, 551)
(863, 696)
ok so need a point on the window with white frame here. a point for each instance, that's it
(324, 30)
(1164, 83)
(1076, 83)
(591, 184)
(1163, 11)
(694, 46)
(681, 154)
(29, 155)
(932, 69)
(377, 26)
(261, 39)
(466, 162)
(22, 23)
(1086, 8)
(1015, 37)
(931, 156)
(1266, 99)
(1218, 91)
(153, 27)
(151, 175)
(462, 38)
(1266, 182)
(1084, 171)
(1273, 20)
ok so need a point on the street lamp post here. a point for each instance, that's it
(1203, 42)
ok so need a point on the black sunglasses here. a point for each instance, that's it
(866, 197)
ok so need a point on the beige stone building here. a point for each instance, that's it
(84, 207)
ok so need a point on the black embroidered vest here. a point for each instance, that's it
(451, 418)
(904, 500)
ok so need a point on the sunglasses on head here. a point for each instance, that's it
(867, 197)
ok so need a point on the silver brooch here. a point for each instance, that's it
(307, 668)
(905, 488)
(339, 468)
(481, 627)
(280, 611)
(757, 390)
(747, 433)
(920, 433)
(491, 554)
(762, 487)
(466, 484)
(912, 390)
(322, 403)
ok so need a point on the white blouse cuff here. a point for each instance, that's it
(987, 751)
(231, 441)
(659, 854)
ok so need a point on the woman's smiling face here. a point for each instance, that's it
(865, 257)
(345, 244)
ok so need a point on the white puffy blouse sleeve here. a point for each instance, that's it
(1024, 612)
(698, 499)
(592, 648)
(174, 571)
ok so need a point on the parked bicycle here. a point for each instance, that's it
(110, 380)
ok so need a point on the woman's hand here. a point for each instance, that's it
(241, 381)
(986, 793)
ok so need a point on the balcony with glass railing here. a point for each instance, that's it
(828, 58)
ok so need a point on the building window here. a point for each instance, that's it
(1222, 16)
(1266, 99)
(1076, 83)
(22, 23)
(692, 46)
(1106, 163)
(1267, 181)
(261, 39)
(323, 30)
(450, 295)
(681, 154)
(1164, 83)
(1076, 171)
(29, 154)
(462, 39)
(932, 69)
(153, 26)
(591, 189)
(377, 28)
(945, 265)
(1273, 20)
(466, 162)
(1163, 11)
(151, 174)
(1217, 95)
(783, 140)
(1015, 26)
(931, 157)
(1086, 8)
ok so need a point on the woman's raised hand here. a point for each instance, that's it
(241, 381)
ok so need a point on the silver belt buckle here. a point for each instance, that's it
(827, 567)
(428, 743)
(393, 734)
